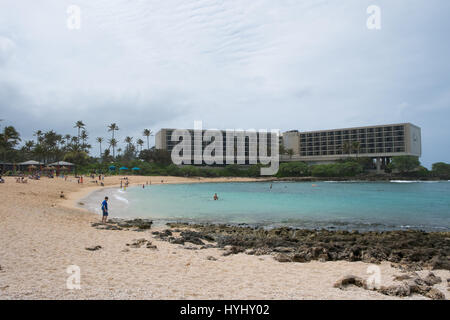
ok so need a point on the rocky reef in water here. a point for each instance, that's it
(410, 250)
(120, 224)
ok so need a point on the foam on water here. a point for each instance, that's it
(121, 199)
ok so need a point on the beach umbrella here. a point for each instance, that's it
(123, 168)
(136, 168)
(112, 167)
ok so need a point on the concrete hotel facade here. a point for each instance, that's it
(380, 143)
(163, 141)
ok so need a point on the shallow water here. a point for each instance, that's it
(332, 205)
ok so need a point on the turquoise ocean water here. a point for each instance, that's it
(333, 205)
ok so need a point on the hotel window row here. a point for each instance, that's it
(386, 139)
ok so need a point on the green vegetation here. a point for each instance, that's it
(405, 164)
(339, 169)
(441, 170)
(294, 169)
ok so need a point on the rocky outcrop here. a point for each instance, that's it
(120, 224)
(184, 236)
(410, 285)
(411, 250)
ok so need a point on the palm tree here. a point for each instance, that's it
(79, 125)
(128, 140)
(147, 133)
(100, 140)
(9, 139)
(119, 151)
(38, 135)
(113, 143)
(356, 146)
(111, 128)
(84, 137)
(290, 152)
(346, 147)
(140, 143)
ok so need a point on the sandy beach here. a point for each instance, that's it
(42, 235)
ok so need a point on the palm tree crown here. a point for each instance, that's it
(147, 133)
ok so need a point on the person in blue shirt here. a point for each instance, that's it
(105, 210)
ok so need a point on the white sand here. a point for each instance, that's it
(41, 236)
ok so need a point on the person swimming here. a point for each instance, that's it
(216, 197)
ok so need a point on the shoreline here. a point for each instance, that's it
(329, 225)
(74, 197)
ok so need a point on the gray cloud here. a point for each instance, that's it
(233, 64)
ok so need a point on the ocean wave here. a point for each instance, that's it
(344, 181)
(120, 198)
(414, 181)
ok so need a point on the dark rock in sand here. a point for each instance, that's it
(350, 280)
(137, 243)
(402, 277)
(139, 224)
(119, 224)
(94, 248)
(105, 226)
(207, 246)
(435, 294)
(401, 290)
(233, 250)
(176, 240)
(211, 258)
(431, 279)
(281, 257)
(194, 237)
(440, 262)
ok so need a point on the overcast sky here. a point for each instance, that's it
(272, 64)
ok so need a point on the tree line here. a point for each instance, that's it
(49, 146)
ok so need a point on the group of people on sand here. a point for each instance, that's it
(21, 179)
(124, 182)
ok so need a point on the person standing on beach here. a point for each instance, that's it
(105, 210)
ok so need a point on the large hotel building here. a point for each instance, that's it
(163, 140)
(380, 143)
